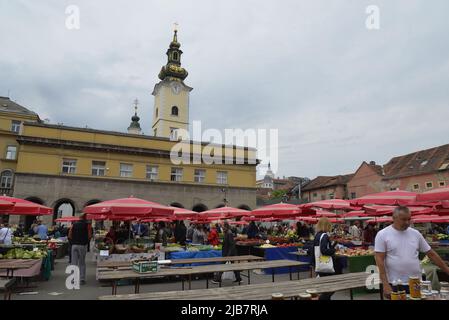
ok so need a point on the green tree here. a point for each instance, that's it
(278, 194)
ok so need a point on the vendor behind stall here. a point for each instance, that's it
(5, 234)
(41, 230)
(212, 238)
(180, 233)
(140, 229)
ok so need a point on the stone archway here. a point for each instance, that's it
(244, 207)
(176, 205)
(64, 208)
(199, 207)
(91, 202)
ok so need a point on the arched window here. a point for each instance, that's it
(6, 179)
(174, 111)
(175, 56)
(157, 112)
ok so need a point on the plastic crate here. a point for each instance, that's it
(145, 266)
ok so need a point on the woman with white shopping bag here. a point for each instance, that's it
(228, 249)
(324, 253)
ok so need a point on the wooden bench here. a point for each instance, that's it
(114, 276)
(290, 289)
(7, 285)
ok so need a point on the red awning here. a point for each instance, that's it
(355, 213)
(438, 194)
(276, 210)
(332, 204)
(381, 220)
(25, 207)
(131, 207)
(184, 214)
(225, 212)
(324, 213)
(397, 197)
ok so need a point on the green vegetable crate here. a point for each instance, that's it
(145, 266)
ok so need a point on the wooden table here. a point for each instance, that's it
(124, 264)
(290, 289)
(300, 254)
(14, 264)
(115, 275)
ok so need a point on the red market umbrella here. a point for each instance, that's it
(307, 219)
(6, 205)
(388, 210)
(396, 197)
(324, 213)
(438, 194)
(25, 207)
(242, 223)
(332, 204)
(270, 219)
(381, 220)
(356, 213)
(67, 219)
(252, 218)
(156, 220)
(276, 209)
(183, 214)
(129, 206)
(225, 212)
(429, 218)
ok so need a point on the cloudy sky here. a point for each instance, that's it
(337, 92)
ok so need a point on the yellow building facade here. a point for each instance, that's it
(55, 164)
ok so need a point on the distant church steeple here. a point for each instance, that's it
(269, 172)
(134, 127)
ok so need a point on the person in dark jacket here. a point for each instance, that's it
(252, 231)
(327, 248)
(161, 235)
(80, 235)
(180, 233)
(228, 250)
(302, 230)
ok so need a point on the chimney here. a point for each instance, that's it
(372, 163)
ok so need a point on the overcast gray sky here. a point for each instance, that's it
(338, 92)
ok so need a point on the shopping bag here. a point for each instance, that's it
(228, 275)
(323, 263)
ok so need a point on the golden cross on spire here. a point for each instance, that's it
(175, 26)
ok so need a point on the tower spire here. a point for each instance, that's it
(173, 70)
(134, 127)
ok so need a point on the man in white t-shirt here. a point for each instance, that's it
(397, 249)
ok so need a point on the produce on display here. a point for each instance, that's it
(18, 253)
(355, 252)
(267, 245)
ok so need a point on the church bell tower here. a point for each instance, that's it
(171, 96)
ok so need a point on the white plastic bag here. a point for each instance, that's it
(228, 275)
(323, 263)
